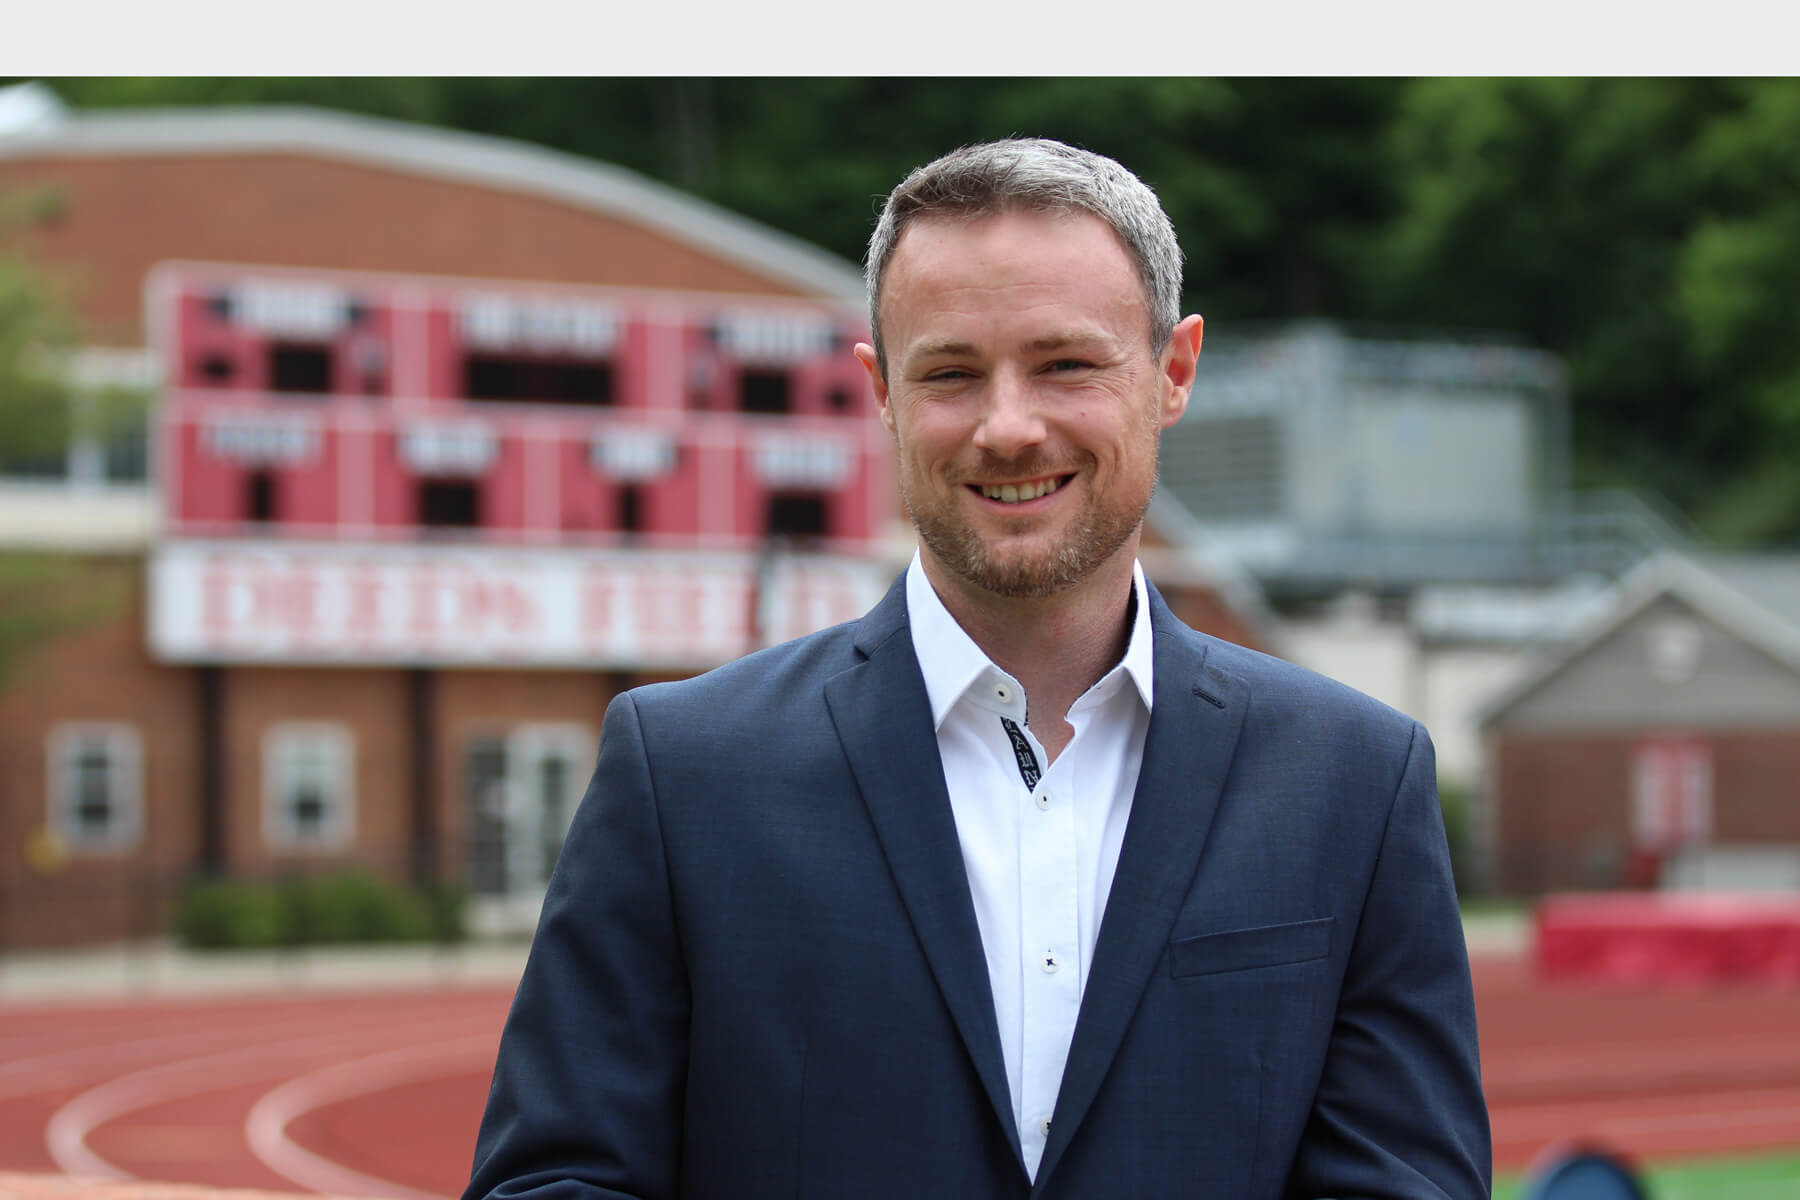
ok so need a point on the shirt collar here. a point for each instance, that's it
(952, 663)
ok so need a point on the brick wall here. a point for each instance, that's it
(1562, 808)
(99, 672)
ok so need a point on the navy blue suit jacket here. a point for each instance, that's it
(758, 972)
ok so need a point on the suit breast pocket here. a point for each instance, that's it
(1249, 949)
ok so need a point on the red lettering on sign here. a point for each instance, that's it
(302, 590)
(518, 611)
(422, 609)
(215, 599)
(362, 602)
(599, 608)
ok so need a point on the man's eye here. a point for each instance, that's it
(1071, 364)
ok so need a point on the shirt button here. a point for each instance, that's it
(1049, 962)
(1044, 1126)
(1043, 801)
(1002, 693)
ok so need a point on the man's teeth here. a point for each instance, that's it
(1012, 493)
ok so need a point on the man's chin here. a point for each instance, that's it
(1020, 576)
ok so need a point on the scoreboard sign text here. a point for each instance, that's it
(320, 603)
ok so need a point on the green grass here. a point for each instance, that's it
(1763, 1177)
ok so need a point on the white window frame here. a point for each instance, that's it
(528, 745)
(124, 753)
(281, 743)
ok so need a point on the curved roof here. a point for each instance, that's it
(494, 162)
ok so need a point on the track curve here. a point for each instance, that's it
(379, 1093)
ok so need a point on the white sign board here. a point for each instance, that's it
(315, 603)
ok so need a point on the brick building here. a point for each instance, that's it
(1668, 732)
(454, 438)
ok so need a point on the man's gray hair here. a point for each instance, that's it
(1036, 175)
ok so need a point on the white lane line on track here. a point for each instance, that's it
(266, 1126)
(26, 1076)
(67, 1132)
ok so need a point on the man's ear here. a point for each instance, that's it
(1180, 359)
(865, 354)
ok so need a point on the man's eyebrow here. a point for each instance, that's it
(1064, 340)
(935, 347)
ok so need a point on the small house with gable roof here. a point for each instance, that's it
(1669, 730)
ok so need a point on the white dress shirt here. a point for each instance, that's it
(1040, 858)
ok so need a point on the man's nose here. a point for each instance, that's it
(1009, 420)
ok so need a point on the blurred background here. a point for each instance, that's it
(360, 439)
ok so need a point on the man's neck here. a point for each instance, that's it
(1056, 646)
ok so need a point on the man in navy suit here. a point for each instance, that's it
(1017, 886)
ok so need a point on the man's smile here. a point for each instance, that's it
(1019, 493)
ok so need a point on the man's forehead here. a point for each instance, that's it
(948, 298)
(937, 250)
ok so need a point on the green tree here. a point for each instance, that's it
(1738, 287)
(37, 402)
(1277, 185)
(40, 409)
(1647, 230)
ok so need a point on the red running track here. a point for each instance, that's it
(379, 1094)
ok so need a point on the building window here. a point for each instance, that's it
(45, 464)
(96, 795)
(309, 800)
(521, 788)
(1671, 793)
(127, 454)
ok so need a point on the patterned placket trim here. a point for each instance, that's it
(1028, 763)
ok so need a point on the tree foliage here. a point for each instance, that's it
(1648, 230)
(36, 335)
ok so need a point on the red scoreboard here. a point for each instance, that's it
(363, 407)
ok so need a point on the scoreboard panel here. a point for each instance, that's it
(342, 405)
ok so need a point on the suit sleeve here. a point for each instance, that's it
(587, 1093)
(1400, 1111)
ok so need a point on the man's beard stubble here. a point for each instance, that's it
(1095, 537)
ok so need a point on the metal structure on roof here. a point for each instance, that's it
(1325, 461)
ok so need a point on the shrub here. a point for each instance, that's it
(213, 914)
(343, 907)
(1456, 801)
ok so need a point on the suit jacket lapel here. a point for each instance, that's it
(1194, 725)
(883, 719)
